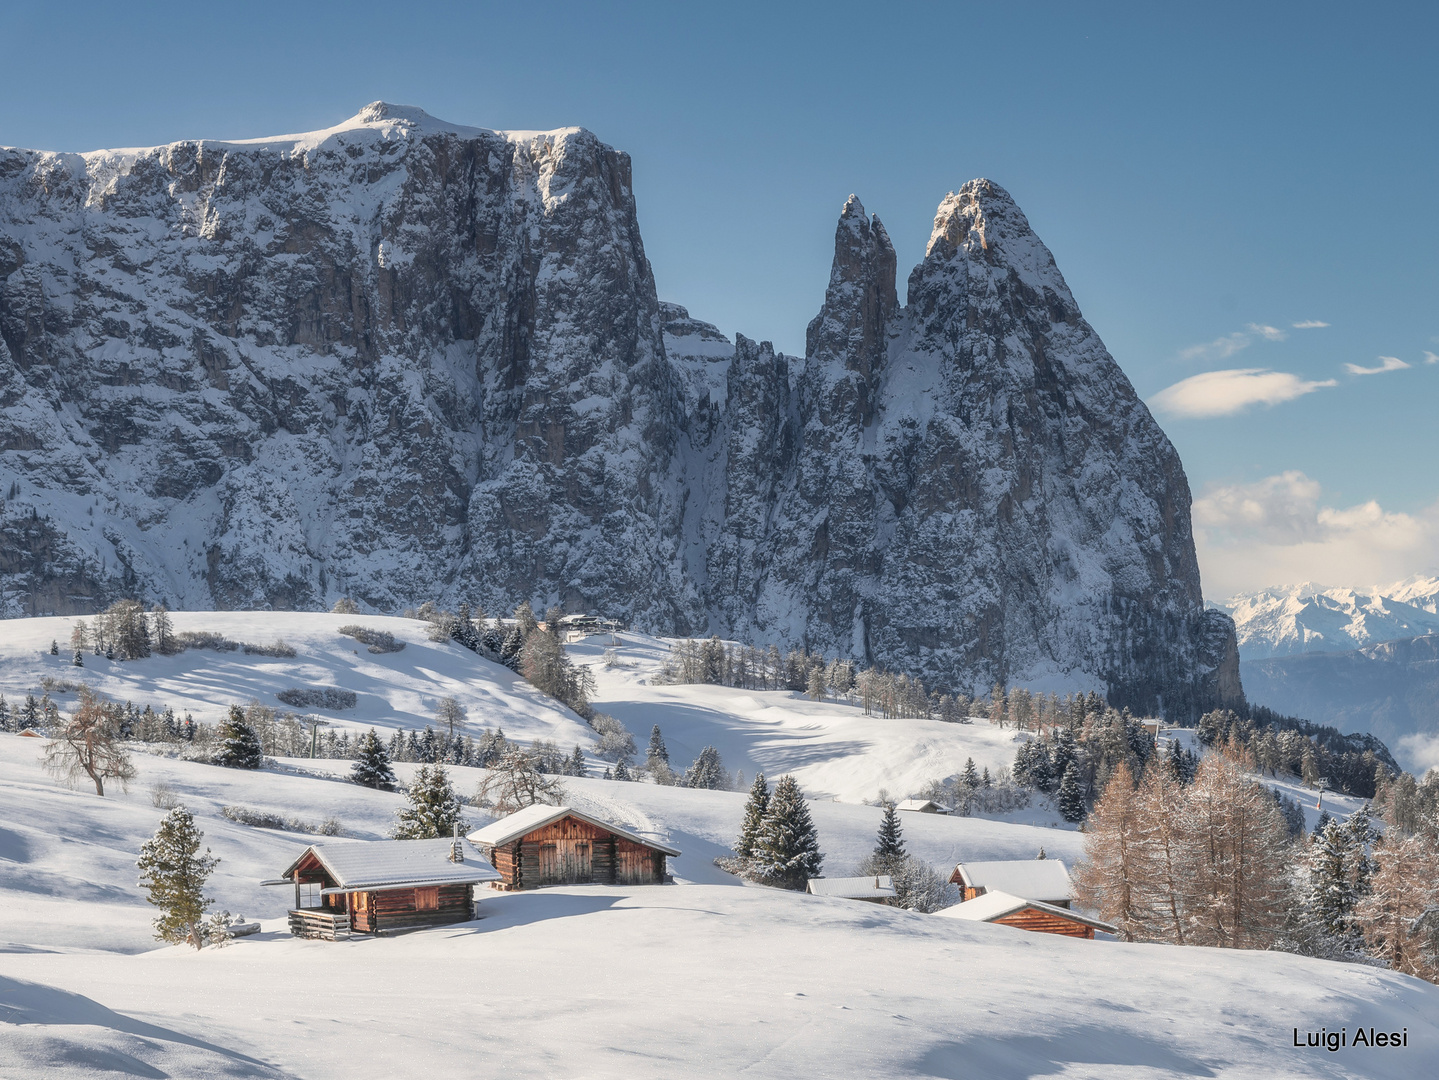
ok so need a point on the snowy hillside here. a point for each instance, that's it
(716, 980)
(1311, 618)
(393, 690)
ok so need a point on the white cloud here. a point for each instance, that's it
(1221, 393)
(1218, 349)
(1278, 531)
(1390, 363)
(1422, 751)
(1268, 333)
(1430, 358)
(1309, 324)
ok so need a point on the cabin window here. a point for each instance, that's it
(427, 899)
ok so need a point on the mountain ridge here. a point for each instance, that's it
(403, 358)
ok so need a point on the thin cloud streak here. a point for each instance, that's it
(1268, 333)
(1390, 363)
(1430, 358)
(1309, 324)
(1219, 349)
(1223, 393)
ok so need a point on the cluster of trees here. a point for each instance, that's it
(33, 714)
(1218, 862)
(707, 770)
(1280, 744)
(975, 791)
(778, 844)
(123, 631)
(916, 885)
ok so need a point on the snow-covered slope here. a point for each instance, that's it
(693, 980)
(393, 690)
(1307, 618)
(405, 360)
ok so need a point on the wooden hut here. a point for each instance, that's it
(383, 885)
(1007, 910)
(1034, 879)
(922, 806)
(876, 889)
(558, 845)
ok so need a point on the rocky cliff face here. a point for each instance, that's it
(402, 359)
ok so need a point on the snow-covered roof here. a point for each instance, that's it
(1037, 879)
(387, 863)
(996, 905)
(923, 806)
(538, 816)
(852, 888)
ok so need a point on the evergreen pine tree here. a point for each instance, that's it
(657, 752)
(241, 746)
(372, 764)
(621, 772)
(1071, 801)
(54, 647)
(1322, 823)
(971, 776)
(984, 778)
(787, 852)
(78, 659)
(4, 714)
(1333, 880)
(29, 714)
(577, 762)
(173, 873)
(754, 814)
(434, 808)
(889, 851)
(707, 771)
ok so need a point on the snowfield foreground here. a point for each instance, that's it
(665, 981)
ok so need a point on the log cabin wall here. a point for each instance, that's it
(613, 860)
(393, 909)
(1045, 923)
(636, 864)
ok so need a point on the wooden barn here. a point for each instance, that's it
(383, 885)
(558, 845)
(922, 806)
(1007, 910)
(1034, 879)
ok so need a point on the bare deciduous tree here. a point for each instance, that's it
(89, 745)
(515, 782)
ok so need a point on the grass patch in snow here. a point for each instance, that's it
(261, 819)
(379, 641)
(318, 697)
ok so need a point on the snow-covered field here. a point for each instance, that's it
(704, 978)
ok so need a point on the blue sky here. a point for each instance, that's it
(1207, 177)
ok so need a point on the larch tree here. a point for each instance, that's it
(434, 808)
(1162, 846)
(89, 745)
(755, 810)
(787, 852)
(1400, 916)
(514, 781)
(372, 764)
(1108, 878)
(1237, 858)
(449, 713)
(173, 874)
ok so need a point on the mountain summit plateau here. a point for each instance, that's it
(400, 359)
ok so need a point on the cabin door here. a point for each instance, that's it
(566, 862)
(360, 910)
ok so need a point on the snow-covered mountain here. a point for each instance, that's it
(401, 359)
(1311, 618)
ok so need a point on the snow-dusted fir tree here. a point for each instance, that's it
(755, 810)
(1335, 877)
(577, 762)
(240, 748)
(1071, 799)
(29, 714)
(657, 751)
(173, 874)
(787, 852)
(434, 808)
(78, 660)
(622, 771)
(372, 763)
(708, 771)
(88, 744)
(889, 851)
(970, 775)
(54, 647)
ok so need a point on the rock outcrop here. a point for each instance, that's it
(401, 359)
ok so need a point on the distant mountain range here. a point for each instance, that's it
(1360, 660)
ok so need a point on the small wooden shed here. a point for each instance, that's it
(922, 806)
(876, 889)
(381, 885)
(1034, 879)
(559, 845)
(1000, 907)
